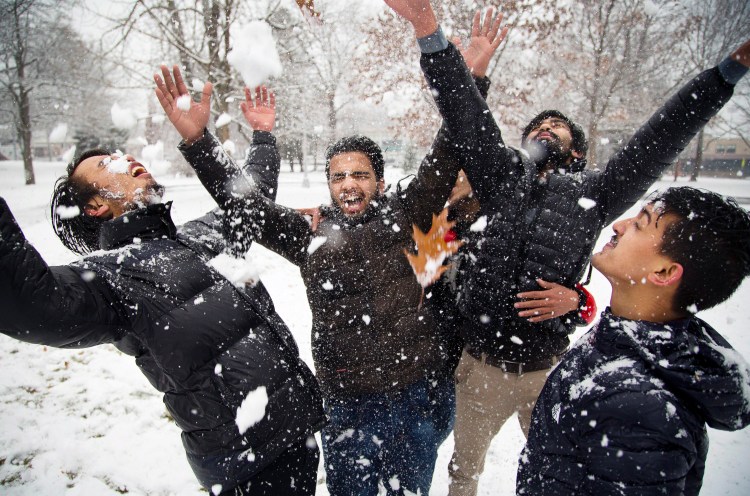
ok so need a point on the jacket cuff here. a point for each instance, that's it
(207, 138)
(434, 42)
(263, 138)
(732, 71)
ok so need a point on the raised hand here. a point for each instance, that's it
(187, 116)
(260, 112)
(485, 38)
(553, 301)
(418, 12)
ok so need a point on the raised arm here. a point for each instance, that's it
(655, 146)
(263, 161)
(467, 121)
(65, 307)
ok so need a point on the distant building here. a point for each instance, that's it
(726, 157)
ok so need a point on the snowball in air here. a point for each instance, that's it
(255, 56)
(223, 120)
(316, 243)
(586, 203)
(123, 118)
(65, 212)
(59, 133)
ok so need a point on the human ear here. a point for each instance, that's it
(671, 274)
(381, 186)
(576, 154)
(96, 209)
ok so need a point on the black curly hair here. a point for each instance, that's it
(361, 144)
(579, 144)
(79, 233)
(710, 239)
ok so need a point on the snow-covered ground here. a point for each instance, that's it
(86, 422)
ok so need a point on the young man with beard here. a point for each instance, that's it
(543, 214)
(149, 288)
(625, 411)
(379, 355)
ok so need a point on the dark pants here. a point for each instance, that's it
(388, 438)
(294, 473)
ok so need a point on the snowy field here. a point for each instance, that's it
(86, 422)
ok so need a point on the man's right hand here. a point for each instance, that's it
(187, 116)
(418, 12)
(485, 38)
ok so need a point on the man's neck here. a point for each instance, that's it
(645, 305)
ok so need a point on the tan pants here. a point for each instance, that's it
(485, 398)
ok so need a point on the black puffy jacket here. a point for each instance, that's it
(369, 333)
(547, 228)
(625, 411)
(200, 340)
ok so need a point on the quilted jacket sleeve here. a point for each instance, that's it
(653, 148)
(249, 214)
(64, 306)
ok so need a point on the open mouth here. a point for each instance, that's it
(612, 242)
(137, 169)
(352, 201)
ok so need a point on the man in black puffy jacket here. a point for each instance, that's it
(541, 215)
(625, 412)
(227, 365)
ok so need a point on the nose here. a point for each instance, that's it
(620, 226)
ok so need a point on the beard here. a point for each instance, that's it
(546, 154)
(150, 195)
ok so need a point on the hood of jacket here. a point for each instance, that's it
(693, 360)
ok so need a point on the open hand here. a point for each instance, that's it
(314, 214)
(187, 116)
(553, 301)
(485, 38)
(259, 112)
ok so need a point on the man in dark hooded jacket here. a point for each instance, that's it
(625, 412)
(540, 216)
(217, 351)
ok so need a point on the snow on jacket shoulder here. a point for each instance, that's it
(625, 411)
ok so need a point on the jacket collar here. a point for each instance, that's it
(151, 222)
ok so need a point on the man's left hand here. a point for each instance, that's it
(553, 301)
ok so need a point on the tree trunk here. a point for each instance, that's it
(331, 97)
(698, 162)
(593, 145)
(24, 129)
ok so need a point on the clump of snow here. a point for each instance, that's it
(158, 118)
(479, 225)
(586, 203)
(315, 243)
(216, 489)
(69, 154)
(123, 118)
(230, 147)
(119, 165)
(252, 410)
(197, 85)
(431, 267)
(516, 340)
(183, 102)
(327, 285)
(59, 133)
(68, 212)
(223, 120)
(366, 319)
(153, 153)
(238, 271)
(396, 228)
(254, 54)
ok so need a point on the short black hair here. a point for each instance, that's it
(580, 143)
(710, 239)
(77, 231)
(361, 144)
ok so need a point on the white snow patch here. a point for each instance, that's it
(328, 286)
(586, 203)
(216, 489)
(197, 85)
(123, 118)
(252, 410)
(69, 154)
(255, 56)
(59, 133)
(516, 340)
(68, 212)
(366, 319)
(479, 225)
(223, 120)
(394, 483)
(230, 147)
(239, 271)
(315, 243)
(183, 102)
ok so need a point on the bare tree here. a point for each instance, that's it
(715, 29)
(388, 69)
